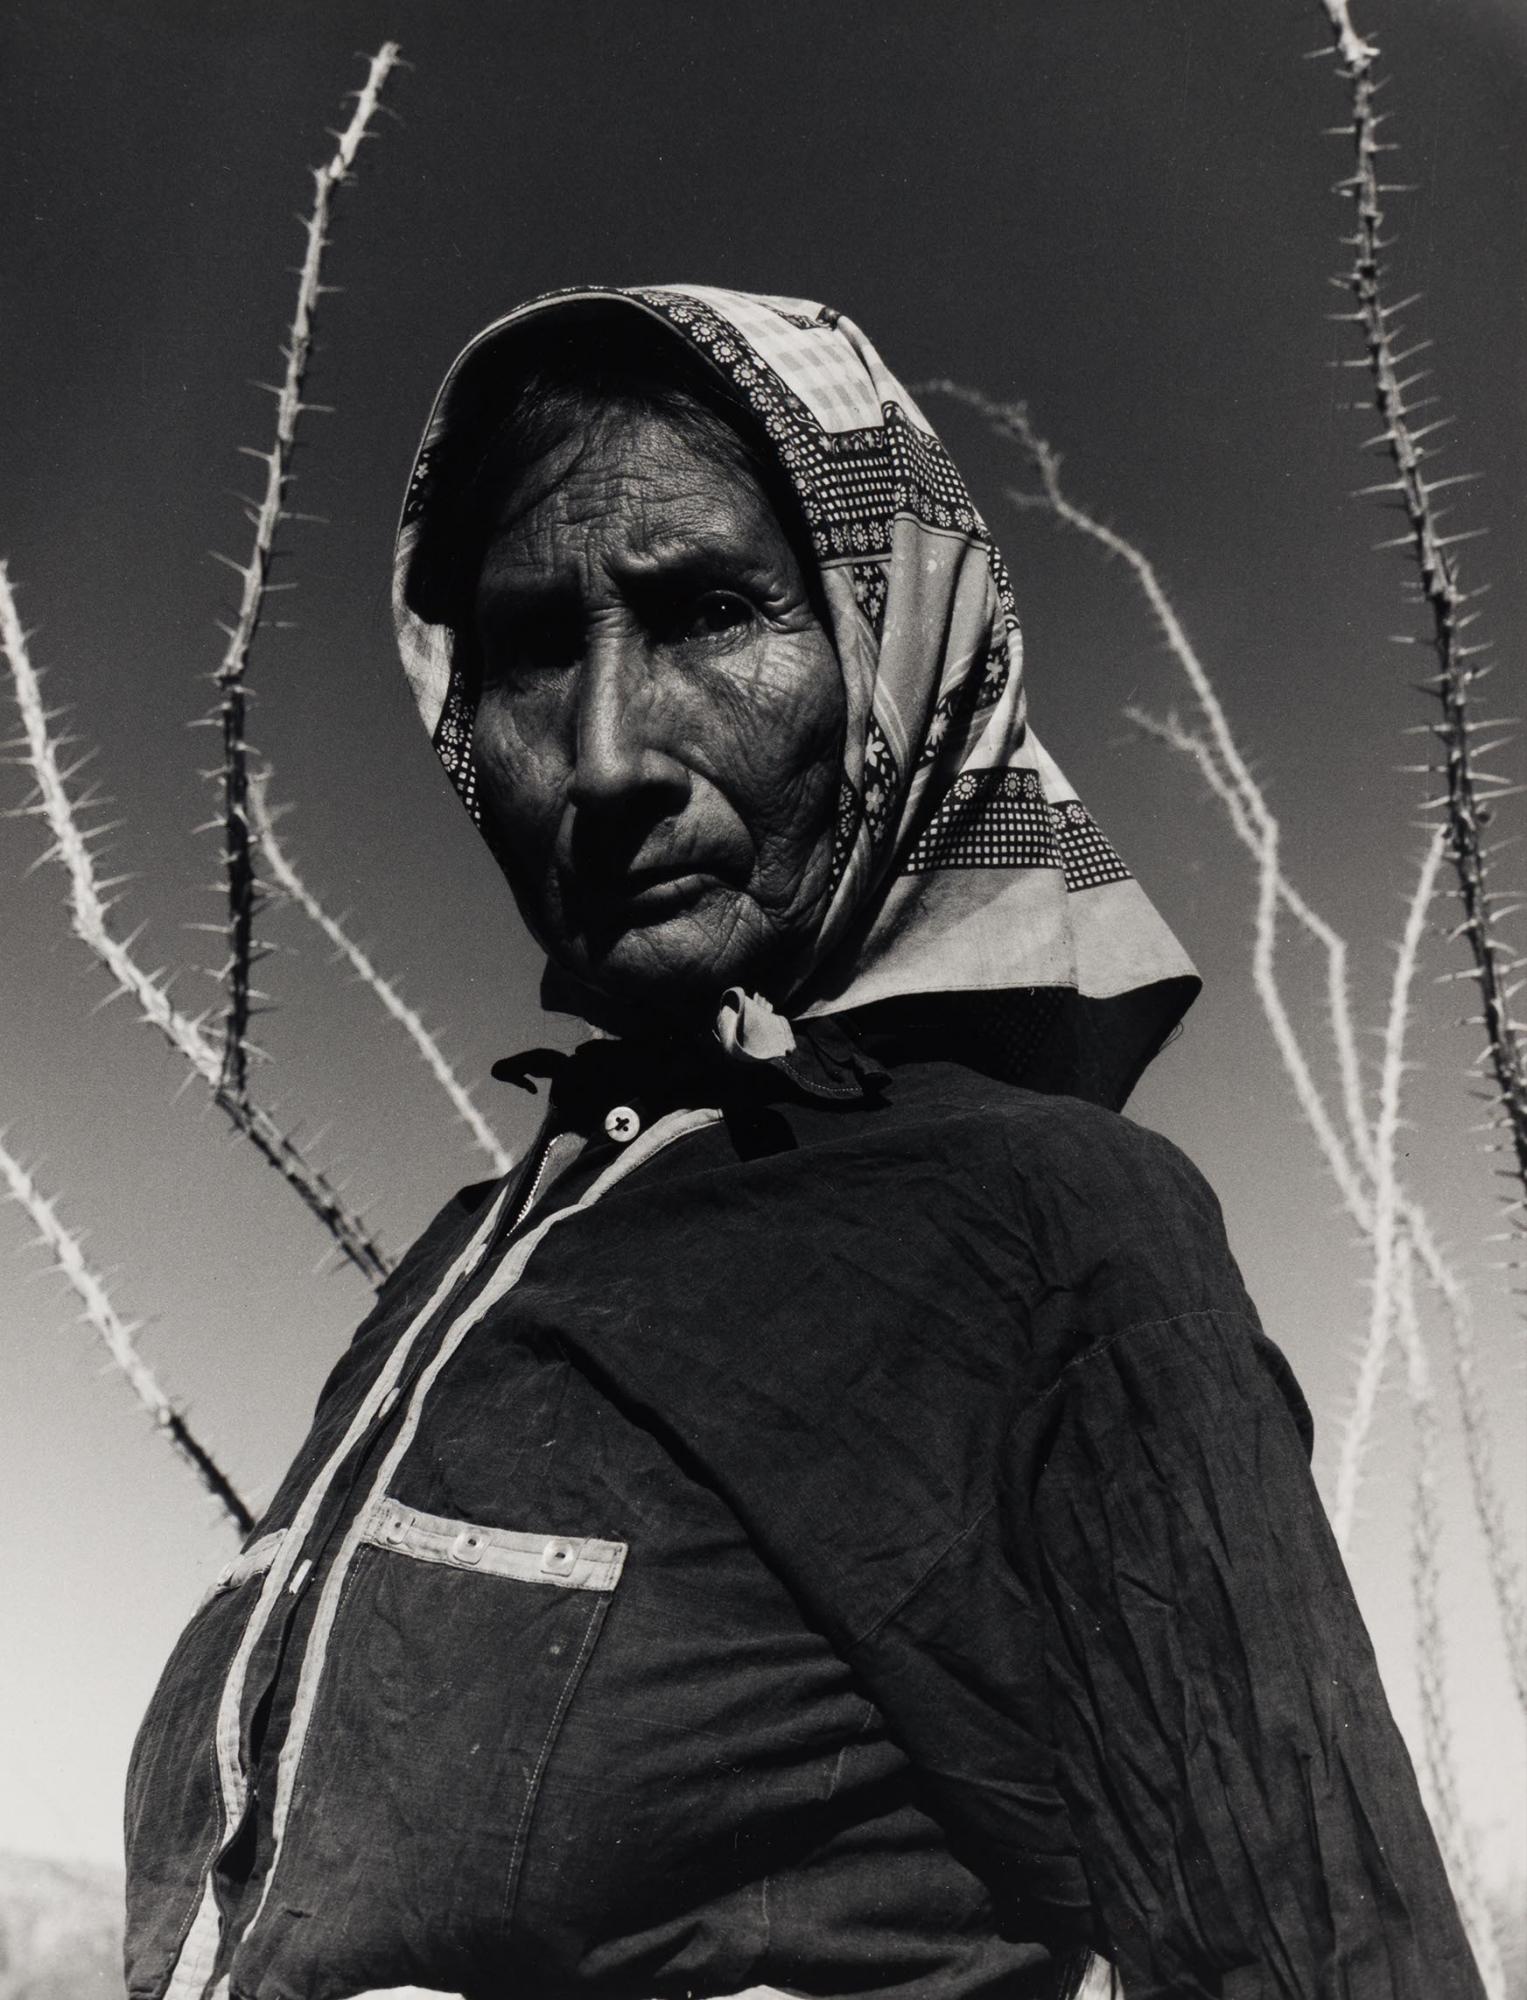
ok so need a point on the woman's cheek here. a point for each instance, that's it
(515, 749)
(792, 746)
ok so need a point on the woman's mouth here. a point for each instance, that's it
(645, 894)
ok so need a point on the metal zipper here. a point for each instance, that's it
(546, 1144)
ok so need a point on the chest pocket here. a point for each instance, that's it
(454, 1652)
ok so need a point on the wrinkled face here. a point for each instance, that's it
(660, 723)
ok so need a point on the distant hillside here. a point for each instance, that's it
(60, 1930)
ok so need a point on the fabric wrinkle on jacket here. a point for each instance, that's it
(954, 1581)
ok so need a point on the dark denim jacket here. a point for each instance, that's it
(973, 1373)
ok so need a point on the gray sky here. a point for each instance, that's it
(1121, 212)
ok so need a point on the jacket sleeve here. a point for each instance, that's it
(1249, 1820)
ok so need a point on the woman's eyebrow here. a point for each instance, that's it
(526, 591)
(527, 586)
(697, 559)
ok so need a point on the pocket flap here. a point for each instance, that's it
(571, 1562)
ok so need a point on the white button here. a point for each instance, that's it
(559, 1558)
(622, 1125)
(388, 1404)
(468, 1547)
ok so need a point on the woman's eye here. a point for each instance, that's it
(713, 616)
(534, 647)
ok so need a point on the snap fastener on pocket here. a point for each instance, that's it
(559, 1558)
(468, 1547)
(622, 1125)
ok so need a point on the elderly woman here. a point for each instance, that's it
(829, 1519)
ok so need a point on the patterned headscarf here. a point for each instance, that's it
(968, 881)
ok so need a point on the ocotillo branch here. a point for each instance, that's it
(267, 513)
(90, 918)
(117, 1336)
(283, 872)
(1470, 793)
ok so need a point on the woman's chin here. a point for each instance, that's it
(667, 972)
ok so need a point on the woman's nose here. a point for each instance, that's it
(619, 747)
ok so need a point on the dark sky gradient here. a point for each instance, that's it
(1120, 211)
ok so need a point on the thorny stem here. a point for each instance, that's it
(1505, 1576)
(1361, 1163)
(286, 877)
(267, 515)
(1231, 777)
(98, 1312)
(1386, 1230)
(1485, 1491)
(1468, 808)
(1349, 1156)
(1438, 1754)
(1346, 1155)
(89, 915)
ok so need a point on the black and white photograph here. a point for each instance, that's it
(763, 1010)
